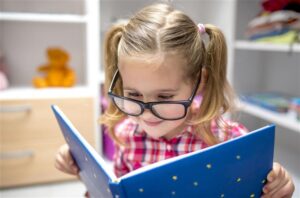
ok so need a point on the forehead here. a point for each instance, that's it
(160, 65)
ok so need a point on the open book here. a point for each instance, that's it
(236, 168)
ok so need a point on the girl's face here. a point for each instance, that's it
(155, 78)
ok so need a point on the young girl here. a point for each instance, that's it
(155, 66)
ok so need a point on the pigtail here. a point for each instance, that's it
(218, 94)
(111, 53)
(112, 115)
(216, 64)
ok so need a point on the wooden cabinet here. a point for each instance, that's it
(30, 138)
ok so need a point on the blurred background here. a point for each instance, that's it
(40, 38)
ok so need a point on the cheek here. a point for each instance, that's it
(134, 118)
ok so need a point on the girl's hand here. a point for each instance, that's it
(279, 185)
(65, 162)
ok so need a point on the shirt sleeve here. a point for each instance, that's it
(120, 167)
(228, 130)
(123, 131)
(236, 129)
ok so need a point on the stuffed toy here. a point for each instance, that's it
(57, 72)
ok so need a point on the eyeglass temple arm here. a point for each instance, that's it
(196, 87)
(113, 81)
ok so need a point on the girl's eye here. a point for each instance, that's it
(133, 94)
(165, 97)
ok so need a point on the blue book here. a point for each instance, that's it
(236, 168)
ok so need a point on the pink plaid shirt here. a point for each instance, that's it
(143, 150)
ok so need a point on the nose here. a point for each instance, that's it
(147, 114)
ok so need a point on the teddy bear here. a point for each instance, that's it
(57, 72)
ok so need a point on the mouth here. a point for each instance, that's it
(152, 123)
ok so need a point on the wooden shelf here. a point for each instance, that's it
(44, 93)
(248, 45)
(39, 17)
(287, 120)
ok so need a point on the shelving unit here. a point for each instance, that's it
(27, 29)
(285, 120)
(267, 67)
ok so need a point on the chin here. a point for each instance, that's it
(162, 129)
(153, 132)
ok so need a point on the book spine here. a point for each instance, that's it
(117, 190)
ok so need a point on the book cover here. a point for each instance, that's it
(236, 168)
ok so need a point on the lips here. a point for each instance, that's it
(152, 123)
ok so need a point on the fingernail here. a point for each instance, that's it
(71, 162)
(270, 178)
(265, 190)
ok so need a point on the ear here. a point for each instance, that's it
(204, 77)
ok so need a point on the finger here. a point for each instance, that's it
(274, 172)
(278, 189)
(74, 169)
(58, 165)
(265, 196)
(65, 167)
(65, 152)
(286, 189)
(274, 179)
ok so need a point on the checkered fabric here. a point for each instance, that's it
(142, 150)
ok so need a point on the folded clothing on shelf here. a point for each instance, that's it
(280, 26)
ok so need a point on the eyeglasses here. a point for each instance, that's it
(166, 110)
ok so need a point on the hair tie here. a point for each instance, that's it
(201, 28)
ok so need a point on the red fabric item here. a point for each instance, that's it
(274, 5)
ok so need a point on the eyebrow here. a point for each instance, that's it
(160, 90)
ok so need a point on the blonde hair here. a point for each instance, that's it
(160, 28)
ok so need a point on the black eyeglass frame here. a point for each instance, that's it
(149, 105)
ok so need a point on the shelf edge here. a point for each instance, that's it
(277, 118)
(40, 17)
(248, 45)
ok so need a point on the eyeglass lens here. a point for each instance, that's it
(163, 110)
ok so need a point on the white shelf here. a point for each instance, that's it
(45, 93)
(286, 120)
(248, 45)
(39, 17)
